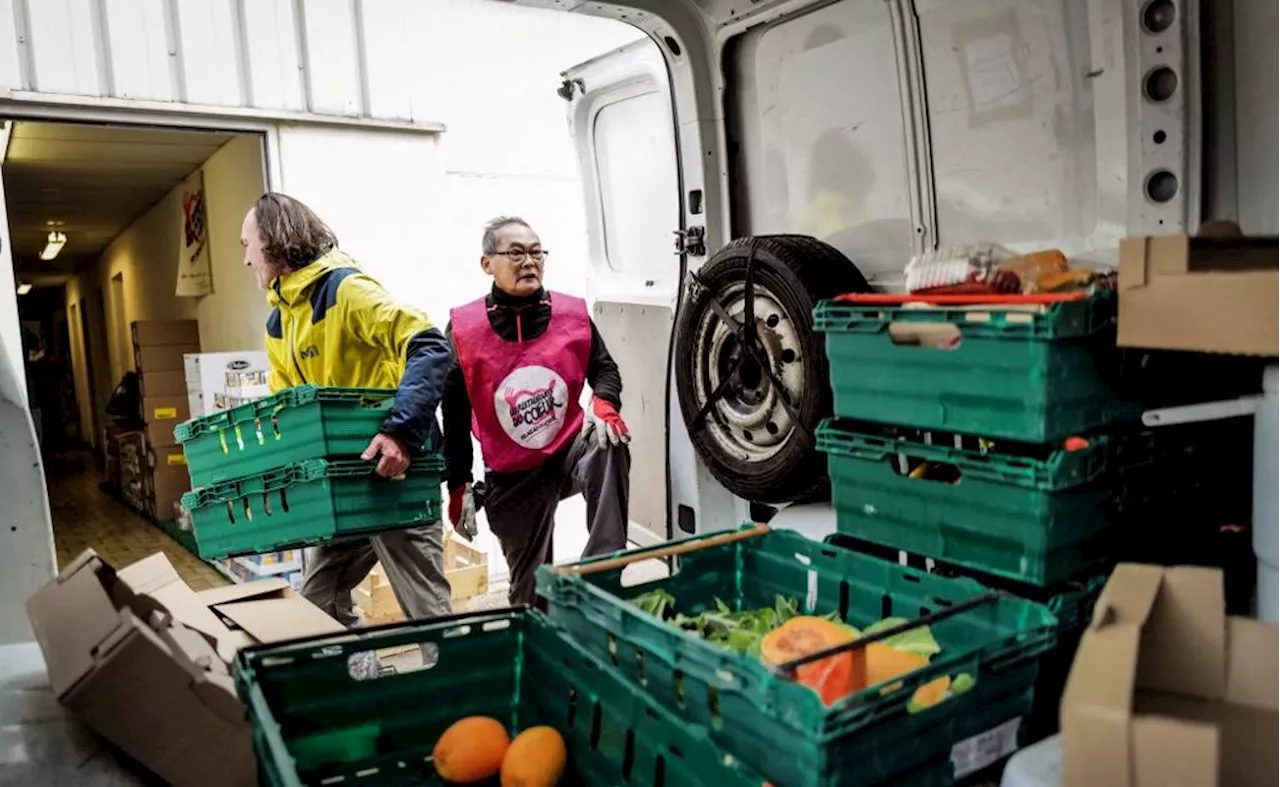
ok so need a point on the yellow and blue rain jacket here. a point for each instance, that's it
(332, 325)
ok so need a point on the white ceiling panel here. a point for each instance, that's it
(89, 182)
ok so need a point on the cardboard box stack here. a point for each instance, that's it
(159, 347)
(1168, 689)
(142, 659)
(1201, 294)
(220, 381)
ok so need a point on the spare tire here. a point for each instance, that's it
(753, 403)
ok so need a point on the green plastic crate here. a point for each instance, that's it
(314, 724)
(1031, 520)
(778, 726)
(1071, 602)
(291, 426)
(310, 503)
(1073, 606)
(1035, 377)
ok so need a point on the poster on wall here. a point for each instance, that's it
(195, 275)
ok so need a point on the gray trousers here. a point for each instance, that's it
(521, 508)
(413, 560)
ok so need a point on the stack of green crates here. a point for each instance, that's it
(781, 728)
(315, 724)
(284, 472)
(963, 452)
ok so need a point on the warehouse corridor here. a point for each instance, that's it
(85, 517)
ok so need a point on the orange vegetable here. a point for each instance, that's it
(537, 758)
(471, 750)
(885, 663)
(834, 677)
(931, 693)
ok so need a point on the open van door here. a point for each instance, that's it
(621, 120)
(28, 543)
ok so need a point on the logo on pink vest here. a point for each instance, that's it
(531, 404)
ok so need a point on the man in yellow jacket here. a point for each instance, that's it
(332, 325)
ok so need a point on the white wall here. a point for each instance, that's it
(146, 254)
(233, 317)
(410, 207)
(507, 149)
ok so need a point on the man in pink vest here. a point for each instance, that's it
(522, 356)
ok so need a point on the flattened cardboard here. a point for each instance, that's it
(1200, 294)
(144, 692)
(279, 619)
(1166, 689)
(67, 633)
(152, 333)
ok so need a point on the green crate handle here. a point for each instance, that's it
(1062, 470)
(676, 547)
(390, 635)
(369, 398)
(284, 477)
(1057, 321)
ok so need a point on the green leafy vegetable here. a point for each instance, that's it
(918, 640)
(742, 630)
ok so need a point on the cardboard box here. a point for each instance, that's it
(161, 414)
(195, 403)
(466, 568)
(229, 368)
(161, 358)
(220, 381)
(1204, 294)
(156, 333)
(165, 486)
(142, 659)
(1166, 689)
(170, 383)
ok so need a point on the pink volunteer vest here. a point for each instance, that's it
(524, 395)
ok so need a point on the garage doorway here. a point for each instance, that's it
(96, 223)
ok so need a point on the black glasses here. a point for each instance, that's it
(518, 255)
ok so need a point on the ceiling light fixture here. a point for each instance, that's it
(56, 241)
(24, 288)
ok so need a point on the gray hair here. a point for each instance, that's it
(489, 244)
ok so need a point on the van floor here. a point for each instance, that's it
(85, 517)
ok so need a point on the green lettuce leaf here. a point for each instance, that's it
(918, 640)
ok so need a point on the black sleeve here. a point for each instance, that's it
(413, 418)
(456, 405)
(602, 372)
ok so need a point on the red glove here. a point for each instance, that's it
(462, 511)
(603, 419)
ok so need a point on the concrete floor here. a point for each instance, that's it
(40, 744)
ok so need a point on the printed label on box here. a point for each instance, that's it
(164, 413)
(973, 754)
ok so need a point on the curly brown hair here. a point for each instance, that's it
(291, 232)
